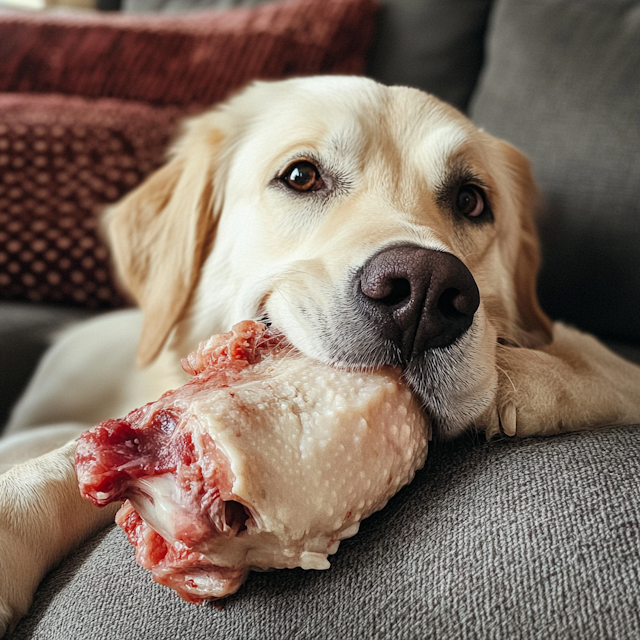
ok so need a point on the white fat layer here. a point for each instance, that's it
(314, 450)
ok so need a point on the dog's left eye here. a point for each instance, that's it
(470, 202)
(302, 176)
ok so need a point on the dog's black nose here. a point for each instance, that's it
(420, 298)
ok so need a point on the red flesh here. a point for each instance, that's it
(150, 441)
(173, 565)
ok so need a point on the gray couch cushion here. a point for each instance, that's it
(434, 45)
(562, 82)
(533, 538)
(631, 353)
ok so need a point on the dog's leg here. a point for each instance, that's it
(32, 443)
(573, 383)
(42, 518)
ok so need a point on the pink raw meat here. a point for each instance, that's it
(264, 459)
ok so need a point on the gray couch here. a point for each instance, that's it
(535, 538)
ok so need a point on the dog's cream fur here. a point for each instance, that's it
(214, 237)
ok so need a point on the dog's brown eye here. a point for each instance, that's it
(303, 176)
(469, 202)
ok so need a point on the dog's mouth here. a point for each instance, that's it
(448, 381)
(408, 307)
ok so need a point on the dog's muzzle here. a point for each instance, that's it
(419, 298)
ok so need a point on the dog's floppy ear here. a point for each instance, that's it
(534, 326)
(160, 233)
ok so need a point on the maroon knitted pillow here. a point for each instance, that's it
(63, 157)
(194, 58)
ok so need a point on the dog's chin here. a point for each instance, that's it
(454, 385)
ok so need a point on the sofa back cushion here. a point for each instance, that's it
(433, 45)
(562, 82)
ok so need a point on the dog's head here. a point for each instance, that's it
(373, 225)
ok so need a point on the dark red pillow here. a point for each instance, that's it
(194, 58)
(63, 157)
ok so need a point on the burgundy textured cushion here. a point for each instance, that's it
(195, 58)
(63, 157)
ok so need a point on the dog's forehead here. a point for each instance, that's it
(354, 117)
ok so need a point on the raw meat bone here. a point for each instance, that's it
(264, 459)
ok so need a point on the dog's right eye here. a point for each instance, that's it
(302, 176)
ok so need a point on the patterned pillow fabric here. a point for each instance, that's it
(182, 60)
(61, 159)
(64, 157)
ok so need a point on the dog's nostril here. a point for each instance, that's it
(451, 304)
(400, 292)
(387, 291)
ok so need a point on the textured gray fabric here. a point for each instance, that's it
(512, 539)
(434, 45)
(562, 82)
(25, 331)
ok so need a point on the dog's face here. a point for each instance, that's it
(372, 225)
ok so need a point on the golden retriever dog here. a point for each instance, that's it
(374, 226)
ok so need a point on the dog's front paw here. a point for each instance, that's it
(12, 608)
(17, 577)
(571, 384)
(42, 518)
(5, 619)
(38, 504)
(525, 400)
(500, 418)
(20, 563)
